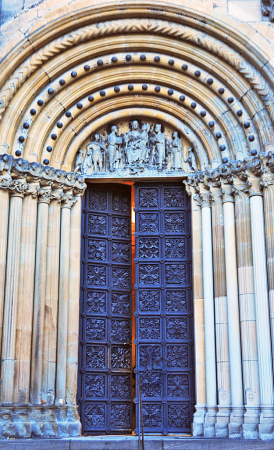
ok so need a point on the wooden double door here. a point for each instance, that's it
(136, 312)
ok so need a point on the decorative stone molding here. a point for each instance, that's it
(129, 25)
(249, 176)
(21, 178)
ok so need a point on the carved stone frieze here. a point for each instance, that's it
(144, 149)
(249, 176)
(22, 178)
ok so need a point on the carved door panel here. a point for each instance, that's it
(164, 340)
(105, 387)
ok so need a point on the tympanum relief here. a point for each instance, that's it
(146, 149)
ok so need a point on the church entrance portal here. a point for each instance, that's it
(136, 322)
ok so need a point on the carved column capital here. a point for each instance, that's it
(57, 194)
(18, 187)
(44, 193)
(206, 198)
(267, 181)
(227, 193)
(68, 200)
(241, 188)
(255, 187)
(32, 189)
(79, 192)
(5, 181)
(216, 194)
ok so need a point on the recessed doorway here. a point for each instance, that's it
(136, 312)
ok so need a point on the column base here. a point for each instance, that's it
(266, 425)
(39, 421)
(222, 420)
(198, 421)
(75, 427)
(235, 428)
(210, 421)
(6, 423)
(233, 423)
(251, 422)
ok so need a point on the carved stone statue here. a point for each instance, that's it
(79, 162)
(268, 9)
(97, 150)
(133, 144)
(144, 142)
(191, 160)
(87, 164)
(176, 151)
(114, 152)
(160, 144)
(141, 149)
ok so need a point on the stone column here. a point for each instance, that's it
(17, 188)
(262, 309)
(199, 325)
(268, 198)
(39, 300)
(211, 382)
(236, 418)
(25, 298)
(51, 299)
(4, 201)
(247, 313)
(67, 203)
(73, 316)
(221, 320)
(62, 335)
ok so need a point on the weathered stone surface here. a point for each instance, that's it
(213, 84)
(131, 443)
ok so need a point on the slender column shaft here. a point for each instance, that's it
(25, 299)
(247, 305)
(209, 308)
(63, 305)
(73, 302)
(269, 240)
(51, 302)
(261, 301)
(11, 298)
(199, 322)
(4, 201)
(221, 320)
(39, 298)
(233, 308)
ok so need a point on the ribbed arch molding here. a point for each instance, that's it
(83, 72)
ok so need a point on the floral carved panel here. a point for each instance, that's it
(105, 392)
(164, 341)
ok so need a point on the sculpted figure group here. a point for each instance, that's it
(144, 147)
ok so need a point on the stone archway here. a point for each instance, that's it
(179, 65)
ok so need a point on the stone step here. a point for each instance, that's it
(131, 443)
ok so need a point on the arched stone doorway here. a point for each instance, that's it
(195, 73)
(136, 309)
